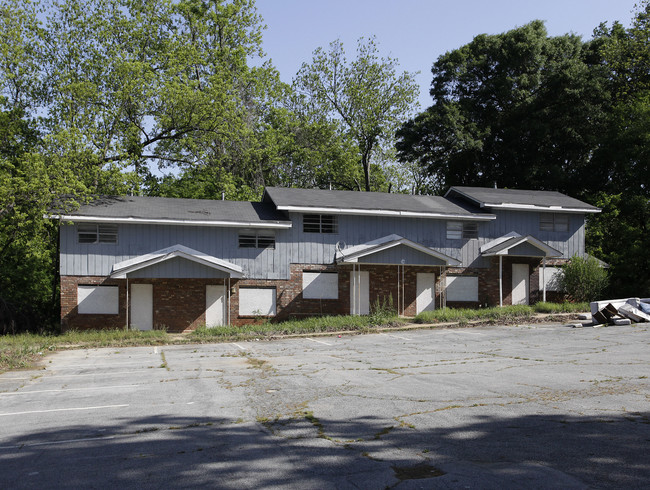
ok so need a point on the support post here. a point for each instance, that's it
(127, 302)
(544, 279)
(500, 280)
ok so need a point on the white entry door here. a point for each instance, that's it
(141, 306)
(426, 292)
(520, 284)
(215, 305)
(360, 293)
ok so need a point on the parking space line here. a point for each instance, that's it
(319, 341)
(64, 410)
(69, 389)
(50, 443)
(395, 336)
(238, 346)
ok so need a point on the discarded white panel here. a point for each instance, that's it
(622, 321)
(633, 313)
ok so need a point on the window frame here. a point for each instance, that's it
(320, 223)
(256, 238)
(554, 222)
(104, 233)
(461, 230)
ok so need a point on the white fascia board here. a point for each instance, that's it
(536, 207)
(162, 221)
(498, 241)
(385, 212)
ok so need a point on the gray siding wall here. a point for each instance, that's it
(178, 268)
(294, 246)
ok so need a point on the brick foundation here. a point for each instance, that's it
(179, 304)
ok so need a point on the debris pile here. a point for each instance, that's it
(620, 311)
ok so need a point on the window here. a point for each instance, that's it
(96, 233)
(462, 288)
(551, 276)
(99, 300)
(319, 223)
(257, 301)
(256, 239)
(553, 222)
(320, 285)
(459, 229)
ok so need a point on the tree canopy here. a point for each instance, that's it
(520, 109)
(367, 97)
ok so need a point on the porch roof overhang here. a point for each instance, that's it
(122, 269)
(504, 245)
(353, 254)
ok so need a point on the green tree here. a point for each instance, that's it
(521, 109)
(366, 97)
(30, 184)
(583, 279)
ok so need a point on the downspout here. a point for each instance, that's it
(500, 280)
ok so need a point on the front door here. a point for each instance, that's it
(142, 306)
(215, 305)
(426, 292)
(360, 293)
(520, 284)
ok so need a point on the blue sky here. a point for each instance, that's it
(416, 32)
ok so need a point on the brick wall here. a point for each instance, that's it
(70, 317)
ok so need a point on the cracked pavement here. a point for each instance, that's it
(544, 406)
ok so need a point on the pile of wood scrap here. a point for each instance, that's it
(620, 311)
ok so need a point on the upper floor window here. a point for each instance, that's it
(461, 229)
(320, 223)
(96, 233)
(553, 222)
(256, 239)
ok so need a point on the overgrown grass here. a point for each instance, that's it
(561, 307)
(23, 351)
(292, 327)
(502, 314)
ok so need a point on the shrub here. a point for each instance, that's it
(583, 279)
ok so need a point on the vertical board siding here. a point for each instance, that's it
(294, 246)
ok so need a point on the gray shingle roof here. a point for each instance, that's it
(489, 197)
(365, 202)
(163, 208)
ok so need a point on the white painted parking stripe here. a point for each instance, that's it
(64, 410)
(319, 341)
(50, 443)
(69, 389)
(396, 336)
(50, 376)
(239, 346)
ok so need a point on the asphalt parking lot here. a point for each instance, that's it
(540, 406)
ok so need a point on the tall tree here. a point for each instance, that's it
(367, 97)
(521, 109)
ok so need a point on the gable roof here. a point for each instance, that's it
(353, 254)
(371, 204)
(503, 246)
(165, 210)
(522, 200)
(121, 269)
